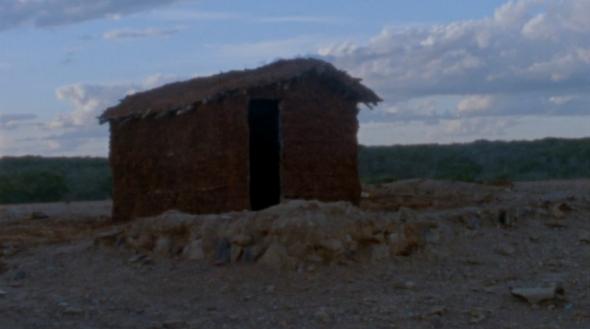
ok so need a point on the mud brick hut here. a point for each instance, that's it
(238, 140)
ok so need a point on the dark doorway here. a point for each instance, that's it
(265, 153)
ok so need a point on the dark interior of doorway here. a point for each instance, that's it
(265, 153)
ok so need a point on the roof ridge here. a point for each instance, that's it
(177, 96)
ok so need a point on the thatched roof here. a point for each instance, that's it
(185, 96)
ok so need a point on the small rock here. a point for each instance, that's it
(379, 253)
(406, 215)
(20, 275)
(560, 210)
(472, 222)
(108, 239)
(408, 285)
(72, 311)
(174, 324)
(275, 257)
(140, 259)
(323, 316)
(3, 293)
(163, 246)
(556, 223)
(270, 289)
(505, 250)
(584, 237)
(236, 253)
(333, 245)
(223, 252)
(506, 218)
(242, 240)
(438, 310)
(477, 316)
(38, 215)
(68, 309)
(534, 237)
(537, 295)
(194, 250)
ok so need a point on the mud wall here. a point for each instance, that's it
(319, 144)
(196, 162)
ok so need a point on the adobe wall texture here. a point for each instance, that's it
(319, 145)
(196, 162)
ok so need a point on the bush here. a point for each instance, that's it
(34, 186)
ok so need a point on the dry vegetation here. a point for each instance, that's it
(419, 254)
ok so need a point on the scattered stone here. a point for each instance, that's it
(72, 311)
(38, 215)
(537, 295)
(163, 246)
(174, 324)
(140, 259)
(584, 237)
(477, 316)
(323, 316)
(194, 250)
(506, 218)
(108, 239)
(561, 210)
(68, 309)
(3, 293)
(236, 253)
(270, 289)
(439, 310)
(505, 250)
(407, 285)
(275, 257)
(472, 222)
(242, 240)
(8, 250)
(379, 253)
(534, 237)
(406, 215)
(223, 252)
(333, 245)
(20, 275)
(556, 223)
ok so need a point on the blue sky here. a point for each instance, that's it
(449, 71)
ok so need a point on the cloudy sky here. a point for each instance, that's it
(449, 71)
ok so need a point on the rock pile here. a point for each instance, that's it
(303, 234)
(293, 235)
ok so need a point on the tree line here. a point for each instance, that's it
(38, 179)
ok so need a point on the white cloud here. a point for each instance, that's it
(527, 58)
(271, 49)
(492, 128)
(137, 34)
(300, 19)
(475, 103)
(561, 100)
(177, 15)
(14, 120)
(89, 100)
(42, 13)
(78, 130)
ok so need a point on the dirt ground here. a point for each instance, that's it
(53, 275)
